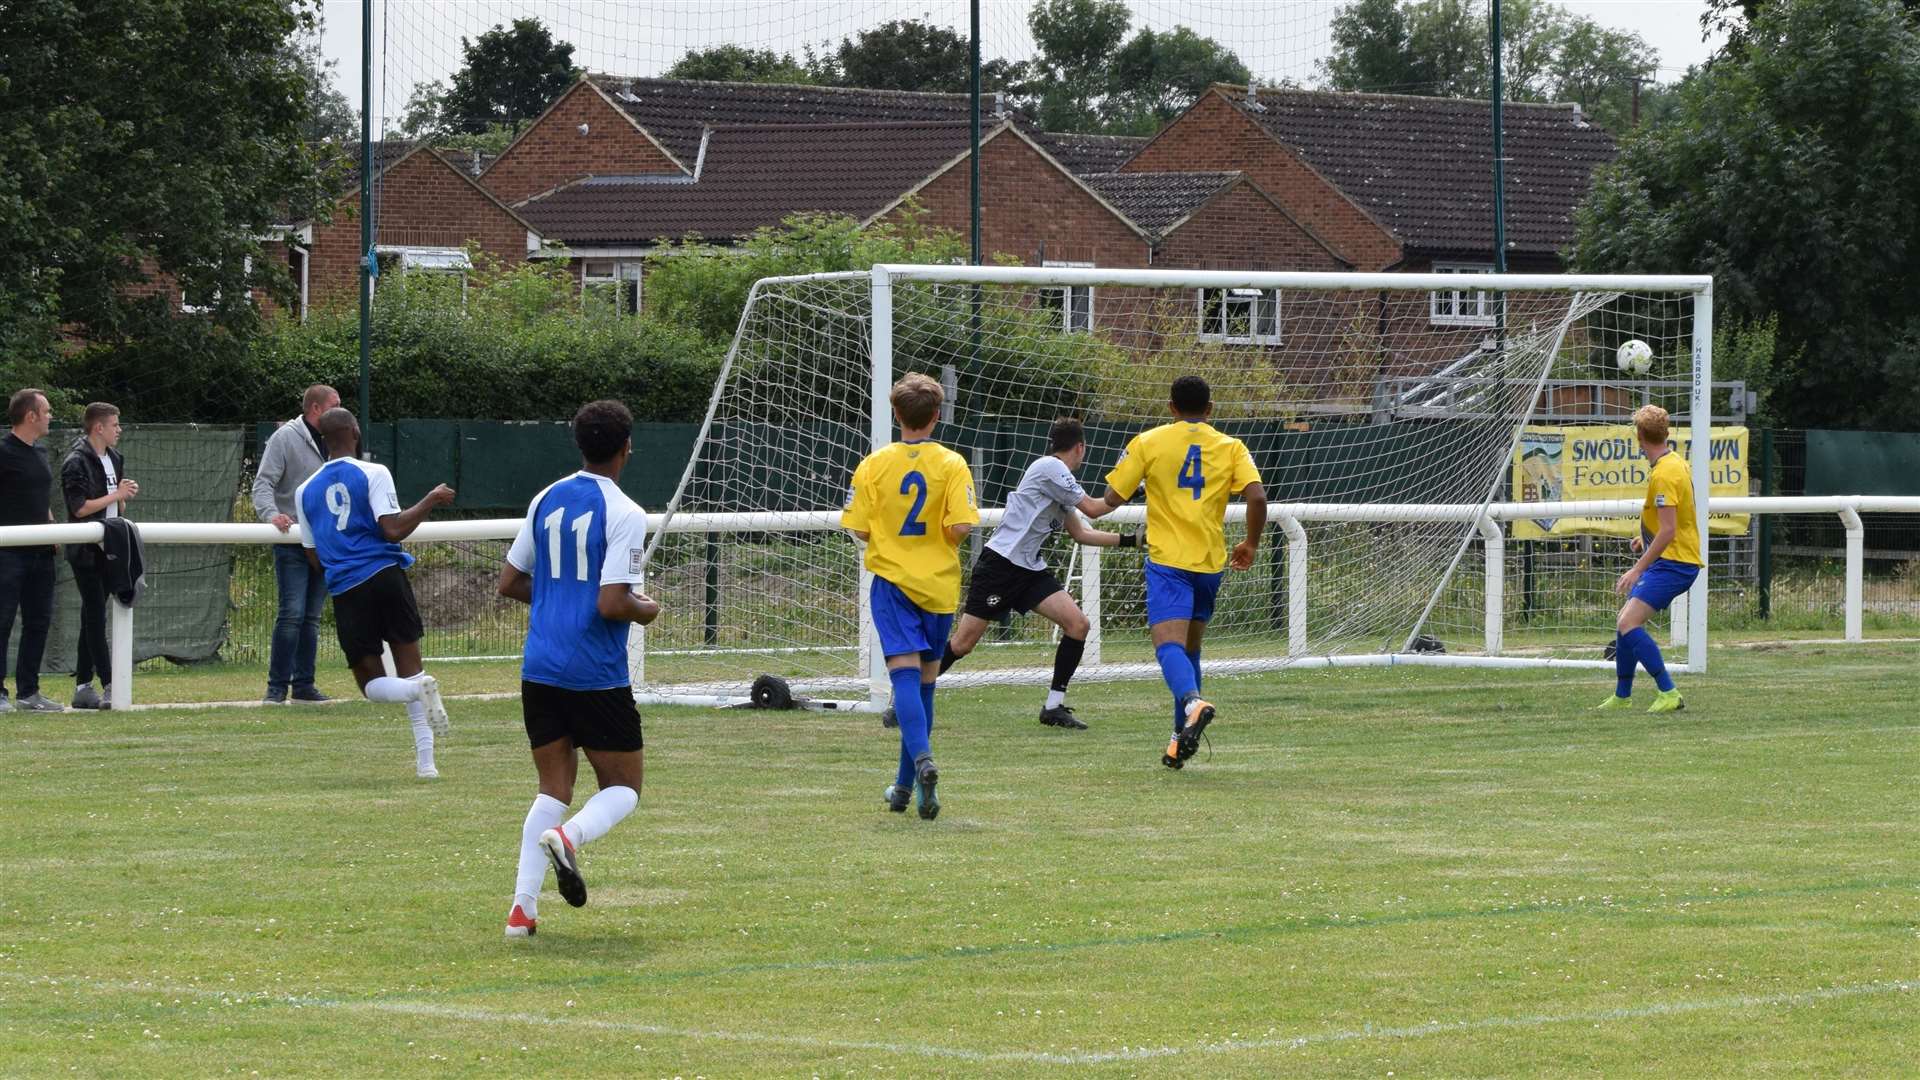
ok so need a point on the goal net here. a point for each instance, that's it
(1394, 419)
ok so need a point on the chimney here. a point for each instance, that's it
(999, 104)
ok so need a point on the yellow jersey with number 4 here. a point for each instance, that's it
(904, 496)
(1190, 471)
(1672, 485)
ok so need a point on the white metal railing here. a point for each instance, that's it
(1290, 519)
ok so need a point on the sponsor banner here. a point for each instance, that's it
(1603, 461)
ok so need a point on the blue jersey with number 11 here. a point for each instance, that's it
(580, 533)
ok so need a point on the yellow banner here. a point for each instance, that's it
(1603, 461)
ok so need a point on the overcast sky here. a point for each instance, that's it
(419, 40)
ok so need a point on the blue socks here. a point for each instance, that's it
(1638, 646)
(1176, 667)
(913, 704)
(1645, 650)
(1180, 714)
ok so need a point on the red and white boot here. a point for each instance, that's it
(518, 925)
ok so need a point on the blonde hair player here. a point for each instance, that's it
(1669, 550)
(912, 503)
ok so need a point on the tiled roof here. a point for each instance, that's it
(753, 175)
(1156, 200)
(1084, 155)
(386, 152)
(676, 110)
(1423, 167)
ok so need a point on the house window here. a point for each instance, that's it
(1461, 307)
(437, 264)
(1240, 316)
(1073, 302)
(194, 303)
(610, 286)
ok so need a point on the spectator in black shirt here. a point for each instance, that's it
(94, 480)
(26, 573)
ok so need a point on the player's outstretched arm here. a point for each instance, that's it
(1097, 508)
(1255, 495)
(397, 527)
(619, 603)
(1083, 533)
(515, 584)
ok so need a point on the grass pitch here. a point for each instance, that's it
(1410, 872)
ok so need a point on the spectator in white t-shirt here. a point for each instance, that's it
(94, 480)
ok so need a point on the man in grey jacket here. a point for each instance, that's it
(294, 453)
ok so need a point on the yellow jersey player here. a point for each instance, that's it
(1190, 470)
(1669, 548)
(912, 503)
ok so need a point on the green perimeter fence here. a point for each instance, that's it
(208, 602)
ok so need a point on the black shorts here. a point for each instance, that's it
(998, 586)
(593, 719)
(377, 611)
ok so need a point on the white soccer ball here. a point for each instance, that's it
(1635, 357)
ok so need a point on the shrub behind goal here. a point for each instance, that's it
(1385, 413)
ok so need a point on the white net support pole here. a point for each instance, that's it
(1090, 590)
(1296, 540)
(1856, 571)
(880, 433)
(1702, 465)
(1493, 538)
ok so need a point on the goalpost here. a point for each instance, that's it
(1397, 420)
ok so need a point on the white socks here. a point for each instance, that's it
(545, 814)
(422, 727)
(1056, 698)
(601, 813)
(389, 689)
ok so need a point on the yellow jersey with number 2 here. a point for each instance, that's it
(904, 496)
(1190, 471)
(1672, 485)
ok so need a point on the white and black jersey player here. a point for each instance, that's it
(576, 561)
(351, 525)
(1012, 574)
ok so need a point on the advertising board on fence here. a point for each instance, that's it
(1603, 461)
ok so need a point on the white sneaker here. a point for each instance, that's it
(428, 773)
(436, 709)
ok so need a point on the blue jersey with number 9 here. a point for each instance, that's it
(340, 508)
(580, 533)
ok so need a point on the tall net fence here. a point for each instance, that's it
(1382, 431)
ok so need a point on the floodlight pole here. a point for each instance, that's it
(1499, 146)
(366, 210)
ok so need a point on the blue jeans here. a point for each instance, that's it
(26, 586)
(296, 632)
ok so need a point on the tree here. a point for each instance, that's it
(330, 117)
(1372, 49)
(1599, 68)
(1787, 173)
(422, 116)
(1155, 75)
(734, 63)
(1439, 47)
(904, 54)
(147, 130)
(508, 74)
(1077, 39)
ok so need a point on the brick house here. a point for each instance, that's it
(1244, 179)
(431, 214)
(617, 165)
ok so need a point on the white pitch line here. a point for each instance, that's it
(1368, 1032)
